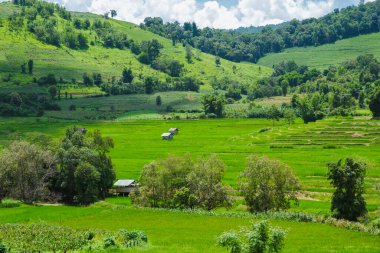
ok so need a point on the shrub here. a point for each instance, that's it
(260, 238)
(109, 242)
(132, 238)
(9, 203)
(3, 249)
(72, 108)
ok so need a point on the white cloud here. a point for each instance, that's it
(210, 13)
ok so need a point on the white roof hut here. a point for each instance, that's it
(167, 136)
(124, 186)
(174, 130)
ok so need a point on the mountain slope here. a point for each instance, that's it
(322, 57)
(16, 48)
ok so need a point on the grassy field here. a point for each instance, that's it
(306, 148)
(323, 56)
(18, 48)
(126, 105)
(183, 232)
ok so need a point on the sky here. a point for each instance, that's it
(227, 14)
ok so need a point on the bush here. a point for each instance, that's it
(9, 203)
(109, 242)
(3, 249)
(132, 238)
(260, 238)
(72, 108)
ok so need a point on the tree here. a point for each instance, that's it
(149, 83)
(24, 172)
(86, 182)
(284, 87)
(189, 54)
(97, 78)
(87, 80)
(361, 99)
(261, 237)
(113, 13)
(30, 66)
(274, 114)
(158, 101)
(267, 184)
(290, 116)
(127, 75)
(374, 104)
(214, 104)
(23, 68)
(217, 61)
(53, 91)
(82, 41)
(347, 177)
(311, 108)
(84, 157)
(205, 183)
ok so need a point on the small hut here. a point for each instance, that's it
(82, 130)
(124, 187)
(167, 136)
(174, 131)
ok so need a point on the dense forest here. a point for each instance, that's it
(243, 46)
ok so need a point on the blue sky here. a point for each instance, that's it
(211, 13)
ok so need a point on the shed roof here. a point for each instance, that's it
(166, 135)
(124, 183)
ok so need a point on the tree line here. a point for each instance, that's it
(265, 184)
(243, 46)
(336, 91)
(77, 170)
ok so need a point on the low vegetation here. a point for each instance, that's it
(48, 238)
(260, 238)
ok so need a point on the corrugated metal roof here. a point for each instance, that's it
(166, 134)
(124, 183)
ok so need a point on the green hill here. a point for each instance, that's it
(322, 57)
(17, 47)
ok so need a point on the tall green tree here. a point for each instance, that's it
(374, 104)
(127, 75)
(347, 177)
(84, 152)
(30, 66)
(214, 104)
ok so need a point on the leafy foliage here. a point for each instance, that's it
(179, 182)
(347, 176)
(267, 184)
(241, 46)
(260, 238)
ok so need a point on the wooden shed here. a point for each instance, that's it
(124, 186)
(167, 136)
(174, 131)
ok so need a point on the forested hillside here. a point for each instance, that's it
(322, 57)
(236, 46)
(69, 45)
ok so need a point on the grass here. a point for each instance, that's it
(305, 148)
(322, 57)
(141, 106)
(183, 232)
